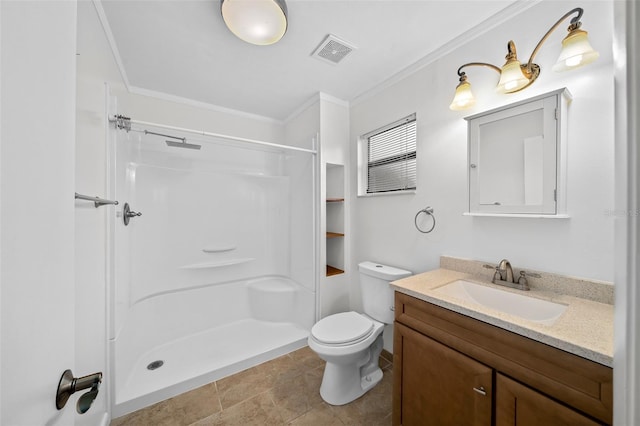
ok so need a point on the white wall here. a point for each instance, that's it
(304, 126)
(334, 128)
(383, 228)
(627, 345)
(37, 282)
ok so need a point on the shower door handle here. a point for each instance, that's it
(127, 214)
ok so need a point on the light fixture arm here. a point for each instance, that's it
(575, 23)
(477, 64)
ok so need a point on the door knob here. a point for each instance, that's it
(69, 385)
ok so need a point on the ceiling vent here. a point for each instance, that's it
(333, 50)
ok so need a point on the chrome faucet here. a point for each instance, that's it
(504, 276)
(504, 271)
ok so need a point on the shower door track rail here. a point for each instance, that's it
(123, 122)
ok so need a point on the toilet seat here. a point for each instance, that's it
(342, 329)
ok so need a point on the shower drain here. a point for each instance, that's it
(155, 364)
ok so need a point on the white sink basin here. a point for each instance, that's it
(529, 308)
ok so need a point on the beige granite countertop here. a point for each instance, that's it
(584, 329)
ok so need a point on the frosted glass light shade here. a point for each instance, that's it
(463, 98)
(576, 51)
(511, 77)
(260, 22)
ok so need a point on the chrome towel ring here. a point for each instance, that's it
(428, 211)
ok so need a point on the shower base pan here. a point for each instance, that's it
(202, 358)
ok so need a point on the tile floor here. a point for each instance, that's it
(284, 391)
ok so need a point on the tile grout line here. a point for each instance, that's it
(218, 395)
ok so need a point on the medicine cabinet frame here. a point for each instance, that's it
(526, 178)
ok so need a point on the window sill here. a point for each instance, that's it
(382, 194)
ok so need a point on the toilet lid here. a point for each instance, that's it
(342, 328)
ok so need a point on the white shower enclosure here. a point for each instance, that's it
(218, 273)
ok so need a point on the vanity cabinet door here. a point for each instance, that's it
(519, 405)
(437, 385)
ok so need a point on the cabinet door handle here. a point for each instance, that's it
(480, 390)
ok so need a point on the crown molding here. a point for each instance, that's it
(318, 97)
(328, 98)
(303, 107)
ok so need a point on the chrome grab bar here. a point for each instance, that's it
(97, 201)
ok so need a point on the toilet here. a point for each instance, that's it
(351, 342)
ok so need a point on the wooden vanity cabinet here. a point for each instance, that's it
(520, 405)
(438, 382)
(450, 369)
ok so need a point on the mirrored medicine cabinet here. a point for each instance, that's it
(517, 156)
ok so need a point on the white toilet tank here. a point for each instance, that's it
(377, 295)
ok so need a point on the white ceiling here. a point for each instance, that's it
(182, 48)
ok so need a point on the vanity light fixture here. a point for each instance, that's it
(514, 76)
(260, 22)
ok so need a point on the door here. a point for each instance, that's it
(37, 111)
(438, 385)
(519, 405)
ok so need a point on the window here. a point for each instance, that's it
(390, 157)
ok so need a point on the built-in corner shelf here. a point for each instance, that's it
(334, 219)
(335, 234)
(333, 271)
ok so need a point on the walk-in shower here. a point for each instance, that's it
(217, 273)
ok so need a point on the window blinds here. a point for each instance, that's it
(391, 161)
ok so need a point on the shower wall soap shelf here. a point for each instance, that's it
(218, 248)
(205, 265)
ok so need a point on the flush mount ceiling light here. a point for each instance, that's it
(514, 76)
(260, 22)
